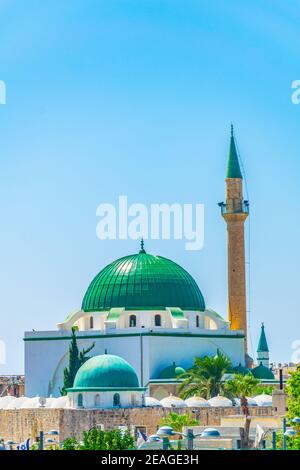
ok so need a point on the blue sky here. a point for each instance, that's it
(136, 97)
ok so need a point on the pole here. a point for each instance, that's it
(280, 379)
(165, 443)
(190, 439)
(274, 440)
(41, 441)
(284, 429)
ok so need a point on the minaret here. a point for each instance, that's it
(235, 212)
(262, 349)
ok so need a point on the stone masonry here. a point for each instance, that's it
(20, 424)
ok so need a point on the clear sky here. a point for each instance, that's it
(136, 97)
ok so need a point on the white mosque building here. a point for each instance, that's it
(150, 312)
(143, 308)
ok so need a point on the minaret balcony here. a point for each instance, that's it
(235, 208)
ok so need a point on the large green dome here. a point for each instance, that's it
(143, 281)
(106, 371)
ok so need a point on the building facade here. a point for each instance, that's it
(150, 311)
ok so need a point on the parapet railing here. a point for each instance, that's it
(237, 208)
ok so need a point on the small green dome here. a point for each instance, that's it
(106, 371)
(239, 370)
(171, 372)
(143, 281)
(262, 372)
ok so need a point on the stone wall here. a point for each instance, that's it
(21, 424)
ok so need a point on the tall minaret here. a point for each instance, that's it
(262, 349)
(235, 212)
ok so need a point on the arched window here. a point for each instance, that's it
(80, 400)
(117, 399)
(157, 320)
(197, 321)
(132, 320)
(97, 400)
(91, 322)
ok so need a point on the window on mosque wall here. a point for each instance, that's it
(197, 321)
(97, 400)
(132, 320)
(116, 399)
(157, 320)
(80, 400)
(91, 323)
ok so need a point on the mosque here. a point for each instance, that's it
(148, 320)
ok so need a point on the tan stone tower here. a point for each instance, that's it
(235, 212)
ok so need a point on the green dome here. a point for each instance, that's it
(262, 372)
(171, 372)
(106, 371)
(143, 281)
(239, 370)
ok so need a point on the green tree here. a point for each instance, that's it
(178, 422)
(76, 359)
(263, 389)
(71, 444)
(292, 443)
(241, 386)
(293, 391)
(96, 439)
(204, 379)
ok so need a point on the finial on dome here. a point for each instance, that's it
(231, 127)
(142, 250)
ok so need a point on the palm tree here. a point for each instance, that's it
(178, 422)
(204, 379)
(242, 386)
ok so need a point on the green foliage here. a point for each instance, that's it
(292, 443)
(178, 422)
(34, 447)
(76, 359)
(70, 444)
(293, 391)
(95, 439)
(241, 385)
(262, 389)
(204, 379)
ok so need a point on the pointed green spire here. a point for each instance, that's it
(262, 344)
(233, 167)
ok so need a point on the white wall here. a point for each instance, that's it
(166, 350)
(106, 399)
(45, 360)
